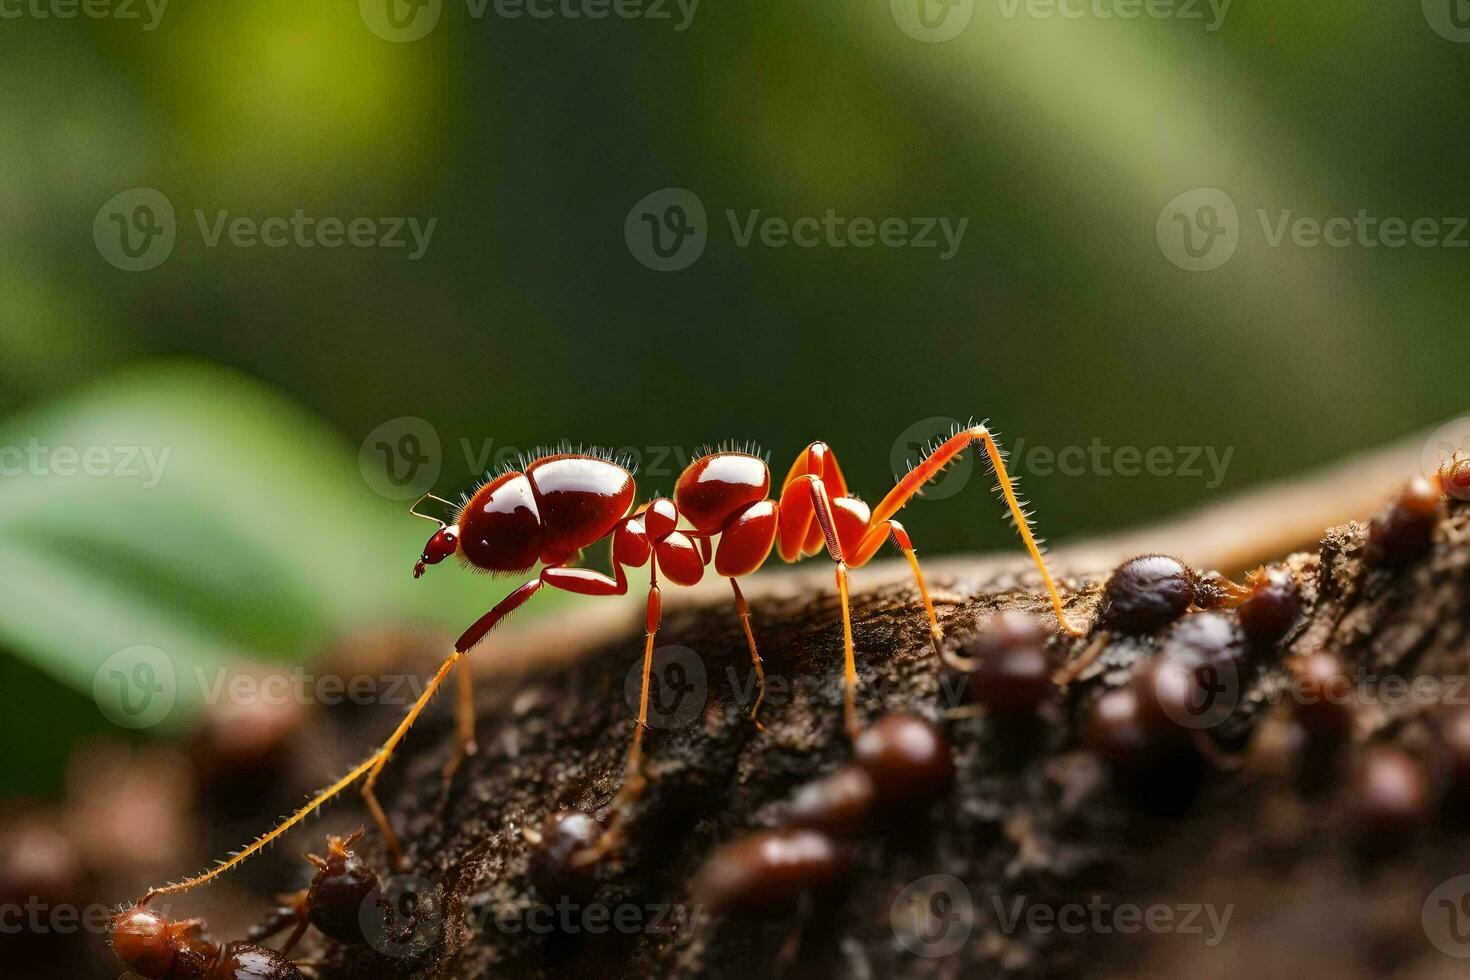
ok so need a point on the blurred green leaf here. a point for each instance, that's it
(229, 524)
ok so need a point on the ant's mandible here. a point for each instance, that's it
(562, 502)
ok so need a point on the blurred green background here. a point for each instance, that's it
(528, 319)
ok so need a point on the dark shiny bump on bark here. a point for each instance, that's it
(551, 867)
(908, 758)
(1272, 608)
(767, 870)
(1013, 664)
(1403, 532)
(1390, 796)
(840, 803)
(1322, 697)
(1146, 593)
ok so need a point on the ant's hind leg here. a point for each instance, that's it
(931, 465)
(872, 540)
(755, 655)
(464, 745)
(462, 646)
(369, 798)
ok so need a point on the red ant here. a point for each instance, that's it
(333, 901)
(562, 502)
(154, 947)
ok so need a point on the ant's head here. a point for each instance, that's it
(146, 941)
(443, 544)
(445, 540)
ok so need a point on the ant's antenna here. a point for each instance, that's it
(414, 510)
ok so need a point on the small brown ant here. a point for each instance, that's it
(332, 902)
(154, 947)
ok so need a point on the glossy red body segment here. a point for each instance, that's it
(679, 559)
(660, 518)
(630, 543)
(850, 515)
(500, 527)
(746, 542)
(714, 488)
(581, 499)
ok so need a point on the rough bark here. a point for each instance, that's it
(1034, 822)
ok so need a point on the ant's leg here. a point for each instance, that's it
(869, 546)
(464, 745)
(261, 842)
(471, 636)
(755, 654)
(797, 511)
(580, 580)
(634, 781)
(929, 467)
(369, 798)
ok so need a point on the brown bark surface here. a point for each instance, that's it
(1035, 824)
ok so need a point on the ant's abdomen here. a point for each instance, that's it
(713, 489)
(580, 499)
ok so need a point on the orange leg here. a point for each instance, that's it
(634, 781)
(464, 745)
(798, 509)
(873, 540)
(942, 456)
(755, 656)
